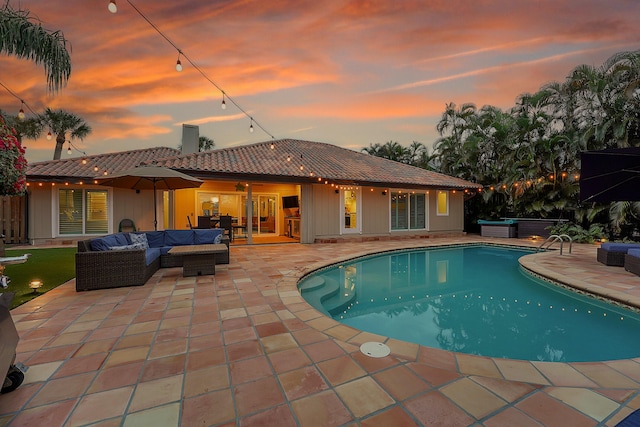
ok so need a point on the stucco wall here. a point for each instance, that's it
(376, 215)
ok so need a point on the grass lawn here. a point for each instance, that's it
(53, 266)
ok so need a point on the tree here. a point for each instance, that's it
(23, 38)
(12, 163)
(205, 143)
(61, 122)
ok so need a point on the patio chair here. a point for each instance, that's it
(226, 222)
(204, 221)
(127, 225)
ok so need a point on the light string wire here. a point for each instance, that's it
(225, 95)
(12, 93)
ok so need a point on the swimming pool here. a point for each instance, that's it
(472, 299)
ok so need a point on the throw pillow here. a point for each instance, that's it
(122, 248)
(218, 239)
(139, 238)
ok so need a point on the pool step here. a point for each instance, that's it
(338, 302)
(322, 293)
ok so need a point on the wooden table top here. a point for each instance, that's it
(213, 248)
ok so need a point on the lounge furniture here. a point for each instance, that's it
(503, 228)
(198, 260)
(611, 253)
(121, 259)
(226, 223)
(632, 261)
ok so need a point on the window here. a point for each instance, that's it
(408, 210)
(399, 210)
(417, 203)
(83, 211)
(443, 203)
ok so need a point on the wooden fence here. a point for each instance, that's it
(13, 218)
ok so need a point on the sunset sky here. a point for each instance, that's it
(350, 73)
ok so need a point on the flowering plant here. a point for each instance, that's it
(13, 164)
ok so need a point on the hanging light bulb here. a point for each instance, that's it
(69, 149)
(95, 169)
(49, 136)
(112, 6)
(84, 161)
(224, 104)
(251, 126)
(21, 112)
(272, 146)
(178, 63)
(288, 157)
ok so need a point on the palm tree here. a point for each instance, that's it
(60, 123)
(25, 39)
(205, 143)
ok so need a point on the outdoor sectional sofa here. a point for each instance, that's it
(612, 253)
(123, 259)
(632, 261)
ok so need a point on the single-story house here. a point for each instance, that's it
(308, 191)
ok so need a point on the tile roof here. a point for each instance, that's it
(74, 168)
(257, 162)
(339, 165)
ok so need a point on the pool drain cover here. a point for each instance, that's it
(375, 349)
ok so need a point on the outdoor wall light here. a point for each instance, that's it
(35, 284)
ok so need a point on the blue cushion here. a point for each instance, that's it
(151, 255)
(619, 247)
(104, 243)
(634, 252)
(122, 238)
(165, 249)
(178, 237)
(206, 236)
(155, 239)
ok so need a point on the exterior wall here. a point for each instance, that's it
(452, 222)
(325, 221)
(138, 207)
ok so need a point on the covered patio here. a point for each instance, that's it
(243, 348)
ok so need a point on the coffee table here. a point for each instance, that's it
(198, 260)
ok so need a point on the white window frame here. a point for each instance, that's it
(55, 209)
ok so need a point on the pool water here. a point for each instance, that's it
(472, 299)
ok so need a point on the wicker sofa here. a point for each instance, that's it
(632, 261)
(612, 253)
(115, 260)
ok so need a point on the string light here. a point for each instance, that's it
(178, 63)
(49, 136)
(69, 149)
(113, 9)
(21, 112)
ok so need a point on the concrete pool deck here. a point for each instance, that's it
(243, 348)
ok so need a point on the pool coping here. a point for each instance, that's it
(559, 374)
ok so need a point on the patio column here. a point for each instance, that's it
(249, 214)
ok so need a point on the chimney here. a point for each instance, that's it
(190, 137)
